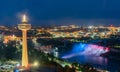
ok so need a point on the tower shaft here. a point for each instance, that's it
(24, 50)
(24, 26)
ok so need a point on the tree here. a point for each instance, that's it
(11, 52)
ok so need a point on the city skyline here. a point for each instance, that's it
(59, 35)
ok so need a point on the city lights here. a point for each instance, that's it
(60, 36)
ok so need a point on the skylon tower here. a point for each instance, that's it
(24, 27)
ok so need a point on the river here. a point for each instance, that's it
(90, 54)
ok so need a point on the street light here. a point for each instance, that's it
(36, 64)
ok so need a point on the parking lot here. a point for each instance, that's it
(8, 66)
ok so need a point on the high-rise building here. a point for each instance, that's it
(24, 26)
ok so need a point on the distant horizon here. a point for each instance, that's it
(68, 21)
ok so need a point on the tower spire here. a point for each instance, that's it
(24, 18)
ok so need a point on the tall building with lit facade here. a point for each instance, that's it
(24, 26)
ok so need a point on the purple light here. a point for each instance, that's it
(86, 49)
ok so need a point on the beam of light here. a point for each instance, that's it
(86, 49)
(24, 18)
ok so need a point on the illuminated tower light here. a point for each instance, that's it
(24, 27)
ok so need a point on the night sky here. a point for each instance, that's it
(61, 12)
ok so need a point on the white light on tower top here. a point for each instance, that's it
(24, 18)
(24, 25)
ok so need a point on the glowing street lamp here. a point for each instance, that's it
(35, 64)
